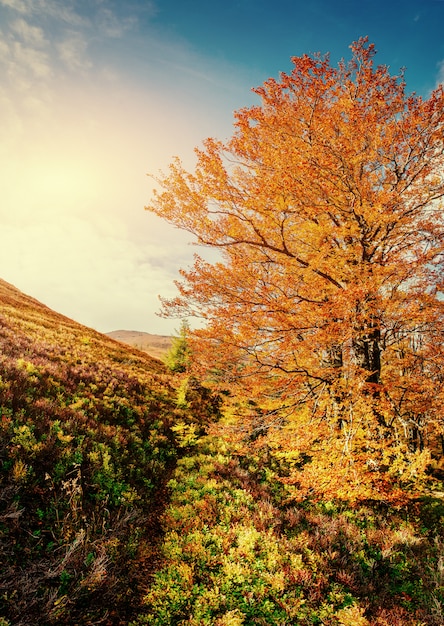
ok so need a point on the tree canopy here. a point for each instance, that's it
(326, 305)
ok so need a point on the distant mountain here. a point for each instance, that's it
(155, 345)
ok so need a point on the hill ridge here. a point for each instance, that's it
(155, 345)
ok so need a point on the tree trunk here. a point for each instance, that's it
(367, 351)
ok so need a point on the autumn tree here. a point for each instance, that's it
(326, 299)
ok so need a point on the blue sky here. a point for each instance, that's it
(94, 94)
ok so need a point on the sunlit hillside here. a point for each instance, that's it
(85, 451)
(130, 496)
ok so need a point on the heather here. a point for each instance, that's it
(132, 493)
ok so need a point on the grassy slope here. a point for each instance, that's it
(99, 526)
(85, 451)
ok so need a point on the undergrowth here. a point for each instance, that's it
(85, 449)
(234, 554)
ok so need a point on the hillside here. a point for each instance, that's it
(124, 501)
(85, 449)
(155, 345)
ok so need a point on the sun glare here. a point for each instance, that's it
(64, 181)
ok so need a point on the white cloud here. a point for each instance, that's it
(27, 61)
(21, 6)
(63, 11)
(75, 147)
(71, 262)
(5, 51)
(26, 68)
(112, 26)
(31, 35)
(74, 233)
(73, 52)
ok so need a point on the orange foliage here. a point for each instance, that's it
(326, 207)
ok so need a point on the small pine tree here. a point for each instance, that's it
(178, 357)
